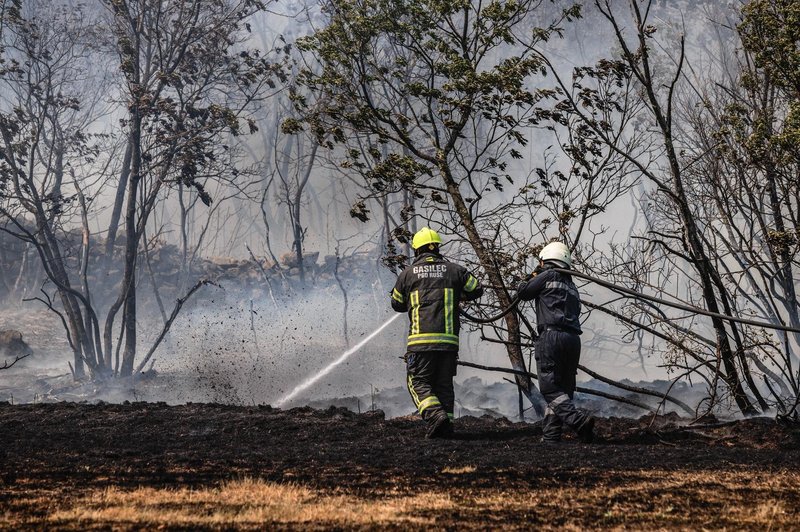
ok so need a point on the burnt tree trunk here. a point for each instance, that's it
(513, 346)
(131, 247)
(119, 201)
(639, 61)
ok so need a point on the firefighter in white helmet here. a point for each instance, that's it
(558, 348)
(430, 291)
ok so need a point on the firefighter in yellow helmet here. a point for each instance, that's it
(430, 291)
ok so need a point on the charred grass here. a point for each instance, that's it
(145, 466)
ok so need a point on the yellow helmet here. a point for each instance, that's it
(425, 236)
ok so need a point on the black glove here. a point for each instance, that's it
(530, 276)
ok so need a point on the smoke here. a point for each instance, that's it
(242, 354)
(226, 348)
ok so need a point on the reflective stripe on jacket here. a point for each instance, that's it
(430, 291)
(557, 300)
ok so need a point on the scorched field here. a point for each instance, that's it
(206, 466)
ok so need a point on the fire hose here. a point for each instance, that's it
(631, 293)
(490, 319)
(676, 305)
(638, 295)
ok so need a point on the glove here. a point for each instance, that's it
(528, 279)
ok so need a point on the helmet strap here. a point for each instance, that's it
(428, 248)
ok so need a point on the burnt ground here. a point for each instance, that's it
(58, 460)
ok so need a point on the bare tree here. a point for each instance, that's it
(746, 179)
(716, 219)
(51, 99)
(188, 82)
(294, 165)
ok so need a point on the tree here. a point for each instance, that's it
(748, 129)
(718, 214)
(51, 98)
(293, 167)
(187, 83)
(434, 98)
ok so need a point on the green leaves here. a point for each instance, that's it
(768, 136)
(359, 210)
(404, 70)
(290, 126)
(397, 169)
(770, 29)
(432, 97)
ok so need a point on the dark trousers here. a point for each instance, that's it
(430, 382)
(557, 356)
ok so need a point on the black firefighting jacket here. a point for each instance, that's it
(558, 303)
(430, 291)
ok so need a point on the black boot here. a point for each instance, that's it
(439, 426)
(551, 428)
(586, 430)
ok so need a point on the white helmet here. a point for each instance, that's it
(557, 251)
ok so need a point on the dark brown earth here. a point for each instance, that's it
(640, 474)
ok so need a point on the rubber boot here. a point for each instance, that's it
(586, 430)
(569, 414)
(439, 426)
(551, 428)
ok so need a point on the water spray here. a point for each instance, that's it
(327, 369)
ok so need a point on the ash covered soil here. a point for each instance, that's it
(145, 465)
